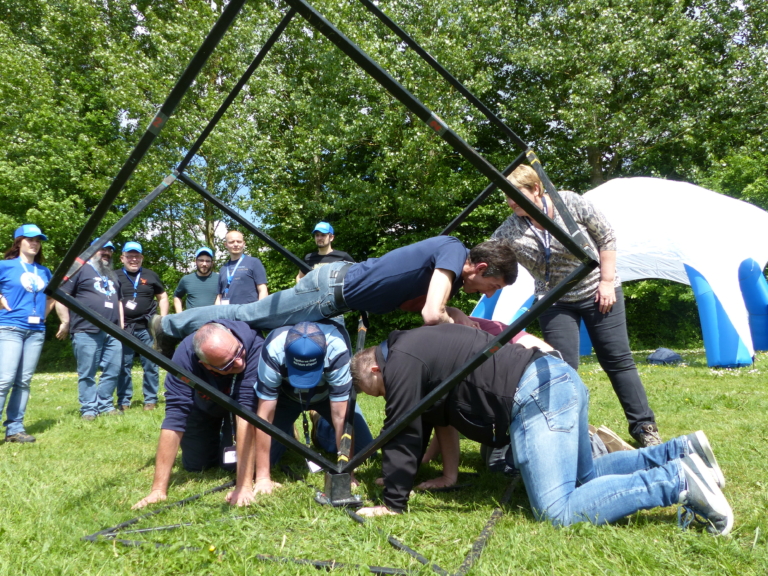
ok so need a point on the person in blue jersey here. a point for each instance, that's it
(23, 309)
(95, 286)
(242, 279)
(419, 278)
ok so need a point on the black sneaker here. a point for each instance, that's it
(21, 437)
(647, 435)
(161, 341)
(703, 498)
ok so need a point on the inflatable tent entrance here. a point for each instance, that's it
(714, 243)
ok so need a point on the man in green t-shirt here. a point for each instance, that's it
(201, 286)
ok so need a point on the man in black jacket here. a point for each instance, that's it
(539, 404)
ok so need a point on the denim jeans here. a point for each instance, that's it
(288, 411)
(151, 373)
(310, 300)
(551, 448)
(91, 352)
(19, 352)
(608, 332)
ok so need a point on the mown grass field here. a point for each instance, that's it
(81, 477)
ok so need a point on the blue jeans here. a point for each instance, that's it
(151, 373)
(19, 352)
(91, 352)
(288, 411)
(608, 332)
(551, 448)
(310, 300)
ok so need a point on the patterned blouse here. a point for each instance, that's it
(530, 252)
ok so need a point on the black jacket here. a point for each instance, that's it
(479, 406)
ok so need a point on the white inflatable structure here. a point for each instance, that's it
(678, 231)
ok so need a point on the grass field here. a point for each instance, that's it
(81, 477)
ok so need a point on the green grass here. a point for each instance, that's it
(84, 476)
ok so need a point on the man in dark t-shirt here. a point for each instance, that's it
(95, 287)
(201, 287)
(227, 359)
(323, 234)
(142, 294)
(421, 278)
(243, 279)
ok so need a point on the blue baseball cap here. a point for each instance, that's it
(204, 250)
(305, 349)
(29, 231)
(107, 245)
(132, 247)
(323, 228)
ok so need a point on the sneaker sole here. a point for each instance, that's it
(701, 444)
(715, 498)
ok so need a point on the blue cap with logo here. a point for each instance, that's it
(323, 228)
(29, 231)
(204, 250)
(107, 245)
(132, 247)
(305, 349)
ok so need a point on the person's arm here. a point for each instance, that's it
(217, 302)
(264, 484)
(299, 276)
(63, 313)
(162, 303)
(167, 448)
(530, 341)
(262, 290)
(49, 304)
(242, 495)
(439, 291)
(606, 292)
(4, 303)
(178, 306)
(459, 317)
(448, 437)
(121, 315)
(338, 415)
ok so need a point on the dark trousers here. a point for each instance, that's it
(204, 440)
(560, 328)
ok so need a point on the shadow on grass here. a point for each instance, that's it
(41, 426)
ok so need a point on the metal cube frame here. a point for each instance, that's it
(80, 251)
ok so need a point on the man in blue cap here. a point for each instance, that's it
(95, 286)
(323, 234)
(141, 293)
(201, 287)
(303, 367)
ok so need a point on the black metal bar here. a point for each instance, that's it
(156, 125)
(118, 226)
(427, 57)
(331, 564)
(322, 25)
(303, 266)
(481, 197)
(454, 379)
(236, 90)
(193, 381)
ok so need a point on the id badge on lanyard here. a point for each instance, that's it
(230, 277)
(131, 304)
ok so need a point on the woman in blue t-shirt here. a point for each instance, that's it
(23, 308)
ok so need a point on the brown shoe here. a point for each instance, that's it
(612, 441)
(113, 412)
(88, 417)
(149, 406)
(647, 435)
(125, 407)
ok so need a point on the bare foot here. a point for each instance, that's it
(441, 482)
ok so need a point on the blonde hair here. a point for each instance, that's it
(525, 177)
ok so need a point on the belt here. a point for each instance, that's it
(338, 290)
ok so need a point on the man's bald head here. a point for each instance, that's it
(216, 346)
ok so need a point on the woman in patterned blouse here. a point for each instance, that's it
(597, 300)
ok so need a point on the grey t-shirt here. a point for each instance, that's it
(200, 291)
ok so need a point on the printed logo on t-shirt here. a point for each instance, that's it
(98, 284)
(32, 282)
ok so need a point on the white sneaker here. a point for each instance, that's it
(700, 444)
(704, 498)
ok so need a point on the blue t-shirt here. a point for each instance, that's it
(400, 279)
(95, 292)
(199, 290)
(335, 383)
(242, 288)
(180, 398)
(23, 290)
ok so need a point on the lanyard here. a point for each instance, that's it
(38, 285)
(231, 276)
(545, 239)
(134, 282)
(107, 292)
